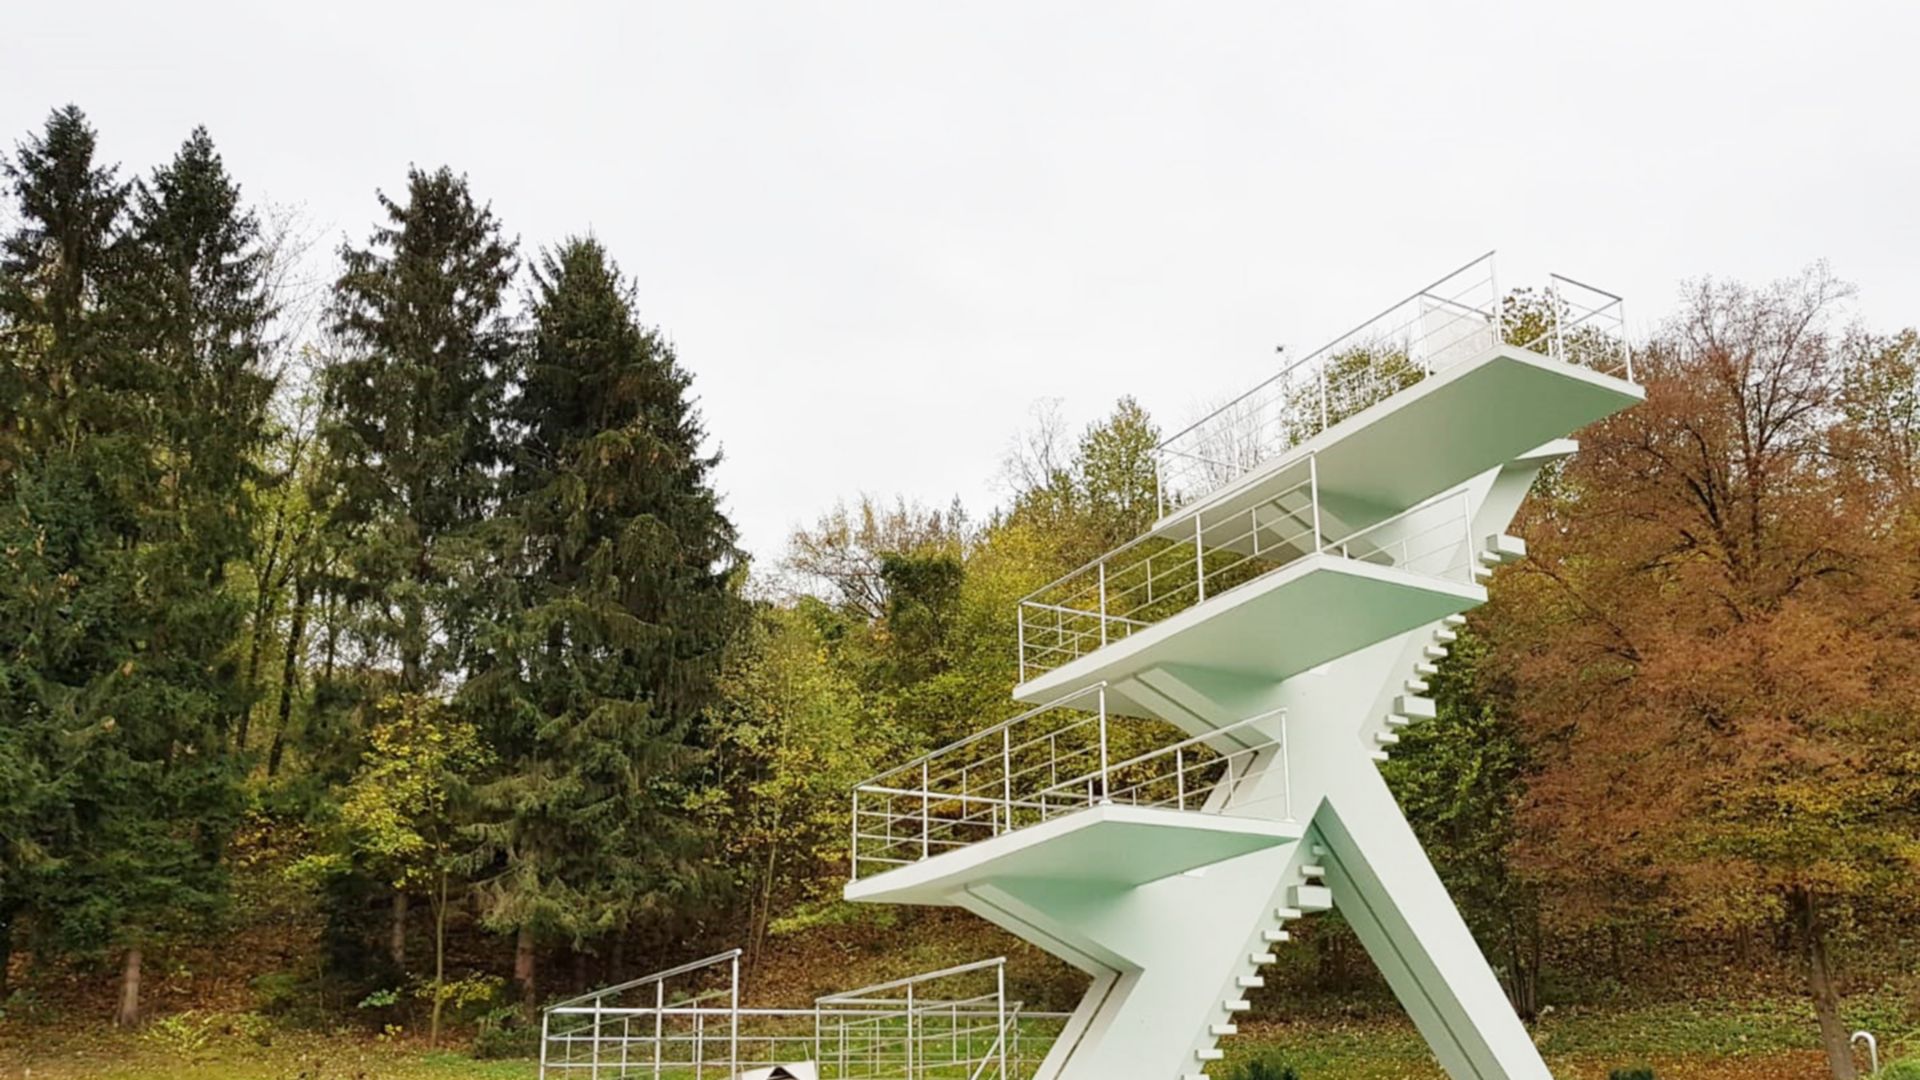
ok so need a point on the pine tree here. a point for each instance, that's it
(622, 608)
(413, 431)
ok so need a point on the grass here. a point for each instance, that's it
(1762, 1040)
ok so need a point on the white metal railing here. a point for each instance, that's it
(1061, 757)
(1456, 318)
(951, 1024)
(1205, 553)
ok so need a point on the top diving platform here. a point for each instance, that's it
(1326, 509)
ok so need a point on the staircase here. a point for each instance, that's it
(1306, 892)
(1414, 705)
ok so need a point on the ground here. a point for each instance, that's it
(1764, 1040)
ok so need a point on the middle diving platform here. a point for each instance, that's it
(1054, 792)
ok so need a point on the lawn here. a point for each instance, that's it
(1768, 1040)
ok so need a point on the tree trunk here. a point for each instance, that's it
(523, 966)
(9, 911)
(290, 670)
(439, 962)
(397, 939)
(1826, 1001)
(129, 1012)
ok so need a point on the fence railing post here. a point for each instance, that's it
(545, 1018)
(733, 1021)
(594, 1060)
(1103, 602)
(1106, 783)
(1006, 774)
(1313, 497)
(659, 1023)
(926, 812)
(1199, 557)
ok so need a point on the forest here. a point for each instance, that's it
(377, 657)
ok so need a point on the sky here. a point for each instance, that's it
(879, 234)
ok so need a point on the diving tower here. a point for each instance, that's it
(1209, 703)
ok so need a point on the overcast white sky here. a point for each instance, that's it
(880, 232)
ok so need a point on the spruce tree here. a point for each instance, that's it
(125, 511)
(621, 607)
(413, 432)
(415, 412)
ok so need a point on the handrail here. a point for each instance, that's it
(983, 733)
(849, 996)
(1361, 325)
(644, 980)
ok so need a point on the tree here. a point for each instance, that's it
(415, 412)
(1713, 643)
(146, 400)
(613, 629)
(406, 805)
(413, 429)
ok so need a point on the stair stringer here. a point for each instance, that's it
(1165, 957)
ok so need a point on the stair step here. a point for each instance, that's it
(1209, 1053)
(1234, 1005)
(1312, 897)
(1249, 982)
(1313, 870)
(1482, 573)
(1420, 708)
(1378, 755)
(1445, 637)
(1261, 958)
(1434, 652)
(1386, 738)
(1319, 851)
(1416, 686)
(1275, 937)
(1398, 721)
(1426, 668)
(1455, 621)
(1491, 558)
(1193, 1076)
(1508, 548)
(1221, 1031)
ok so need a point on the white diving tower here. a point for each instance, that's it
(1211, 701)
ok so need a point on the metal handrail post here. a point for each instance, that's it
(545, 1018)
(926, 813)
(1103, 603)
(1106, 783)
(1313, 496)
(733, 1025)
(909, 1038)
(1199, 557)
(626, 1040)
(817, 1055)
(1006, 773)
(853, 839)
(1000, 1011)
(1180, 775)
(593, 1066)
(659, 1023)
(699, 1043)
(1020, 632)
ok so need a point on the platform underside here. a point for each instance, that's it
(1447, 428)
(1114, 845)
(1318, 609)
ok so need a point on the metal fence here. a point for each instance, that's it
(1456, 318)
(1061, 757)
(686, 1023)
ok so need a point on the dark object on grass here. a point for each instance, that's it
(1630, 1074)
(1260, 1069)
